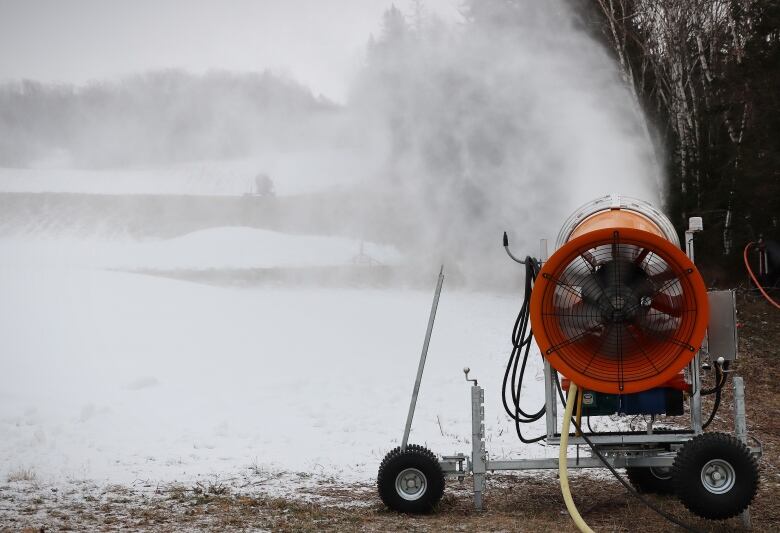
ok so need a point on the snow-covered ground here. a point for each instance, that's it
(113, 377)
(213, 248)
(292, 173)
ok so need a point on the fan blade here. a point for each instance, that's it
(582, 320)
(593, 288)
(653, 323)
(579, 270)
(671, 305)
(661, 278)
(576, 278)
(614, 343)
(641, 256)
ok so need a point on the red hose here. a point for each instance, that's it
(753, 276)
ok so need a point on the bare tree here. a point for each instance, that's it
(678, 57)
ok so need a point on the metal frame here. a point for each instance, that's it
(624, 450)
(621, 450)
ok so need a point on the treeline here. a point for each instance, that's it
(158, 117)
(707, 75)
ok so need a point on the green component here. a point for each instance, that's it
(599, 403)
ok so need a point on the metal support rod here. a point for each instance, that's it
(423, 356)
(740, 420)
(550, 400)
(740, 431)
(478, 458)
(694, 225)
(696, 418)
(616, 460)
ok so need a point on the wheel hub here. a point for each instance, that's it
(411, 484)
(661, 472)
(718, 476)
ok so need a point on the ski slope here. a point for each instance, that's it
(212, 248)
(115, 377)
(293, 172)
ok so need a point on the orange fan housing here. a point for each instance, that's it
(618, 308)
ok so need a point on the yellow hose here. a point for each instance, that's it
(563, 459)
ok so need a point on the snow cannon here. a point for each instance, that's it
(619, 308)
(628, 334)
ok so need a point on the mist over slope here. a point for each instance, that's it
(508, 121)
(452, 133)
(157, 117)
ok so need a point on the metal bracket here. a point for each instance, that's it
(454, 465)
(478, 456)
(466, 371)
(508, 251)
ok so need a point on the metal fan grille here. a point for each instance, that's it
(620, 310)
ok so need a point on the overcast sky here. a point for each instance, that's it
(319, 42)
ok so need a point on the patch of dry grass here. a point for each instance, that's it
(22, 474)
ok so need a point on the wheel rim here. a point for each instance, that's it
(718, 476)
(411, 484)
(661, 472)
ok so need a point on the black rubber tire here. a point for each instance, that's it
(649, 480)
(415, 457)
(691, 489)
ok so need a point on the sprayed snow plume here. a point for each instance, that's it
(507, 121)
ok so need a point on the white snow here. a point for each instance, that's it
(293, 172)
(221, 247)
(115, 377)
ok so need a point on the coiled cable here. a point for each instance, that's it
(522, 338)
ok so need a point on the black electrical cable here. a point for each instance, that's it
(615, 473)
(519, 341)
(715, 407)
(631, 489)
(522, 338)
(720, 378)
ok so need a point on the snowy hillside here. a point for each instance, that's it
(292, 172)
(115, 377)
(213, 248)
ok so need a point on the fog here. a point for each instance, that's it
(159, 117)
(507, 122)
(78, 41)
(451, 130)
